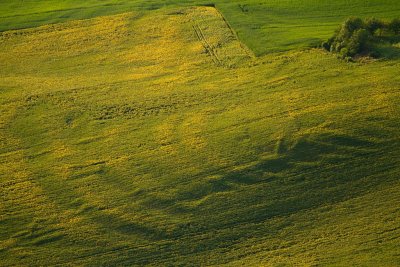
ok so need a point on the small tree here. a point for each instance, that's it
(374, 24)
(358, 42)
(349, 26)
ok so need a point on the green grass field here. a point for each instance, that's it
(156, 133)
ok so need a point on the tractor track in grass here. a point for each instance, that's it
(221, 43)
(209, 48)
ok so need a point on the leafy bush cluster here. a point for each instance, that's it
(355, 36)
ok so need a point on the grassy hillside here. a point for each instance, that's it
(263, 25)
(126, 141)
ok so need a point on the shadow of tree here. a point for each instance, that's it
(388, 51)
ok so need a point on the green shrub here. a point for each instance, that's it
(374, 24)
(344, 52)
(349, 27)
(358, 42)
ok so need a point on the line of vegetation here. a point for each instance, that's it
(358, 37)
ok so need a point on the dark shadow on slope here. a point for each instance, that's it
(388, 51)
(300, 179)
(113, 223)
(317, 161)
(308, 149)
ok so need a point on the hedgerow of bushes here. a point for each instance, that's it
(356, 36)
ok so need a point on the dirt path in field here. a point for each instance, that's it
(217, 37)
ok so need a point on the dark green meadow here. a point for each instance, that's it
(140, 133)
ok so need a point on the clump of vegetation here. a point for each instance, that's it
(394, 26)
(359, 37)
